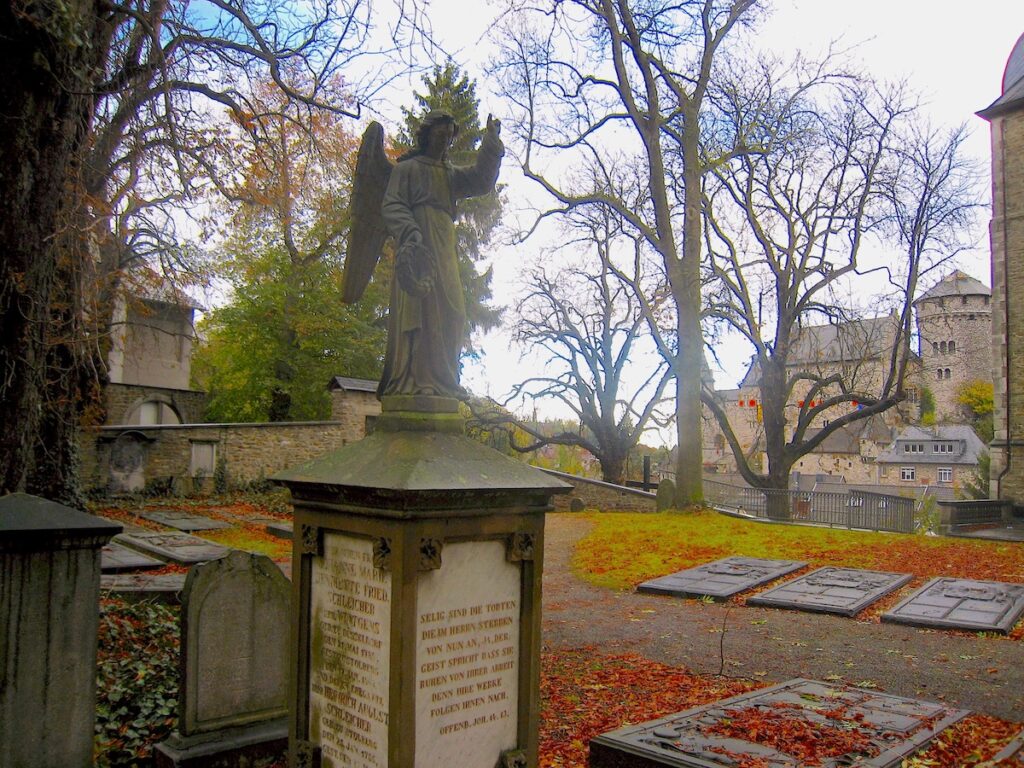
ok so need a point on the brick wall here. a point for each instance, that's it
(595, 494)
(351, 408)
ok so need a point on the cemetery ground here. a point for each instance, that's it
(613, 656)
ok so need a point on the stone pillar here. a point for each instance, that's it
(417, 597)
(49, 612)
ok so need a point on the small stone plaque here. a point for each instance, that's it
(846, 591)
(982, 606)
(117, 557)
(722, 578)
(174, 547)
(881, 729)
(184, 521)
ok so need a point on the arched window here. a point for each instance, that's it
(938, 374)
(952, 347)
(946, 375)
(935, 347)
(942, 348)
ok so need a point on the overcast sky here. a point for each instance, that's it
(953, 52)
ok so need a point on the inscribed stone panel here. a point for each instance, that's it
(467, 657)
(350, 654)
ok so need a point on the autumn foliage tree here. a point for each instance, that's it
(269, 352)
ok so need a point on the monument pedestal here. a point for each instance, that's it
(417, 610)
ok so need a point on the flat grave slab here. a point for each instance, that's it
(945, 603)
(184, 521)
(720, 579)
(846, 591)
(1012, 754)
(853, 727)
(165, 587)
(280, 528)
(117, 557)
(174, 547)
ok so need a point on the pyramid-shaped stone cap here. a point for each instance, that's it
(32, 523)
(409, 473)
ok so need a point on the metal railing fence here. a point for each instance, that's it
(853, 509)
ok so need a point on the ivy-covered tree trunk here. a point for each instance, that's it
(49, 59)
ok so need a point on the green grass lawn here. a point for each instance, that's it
(624, 549)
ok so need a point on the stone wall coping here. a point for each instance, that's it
(600, 484)
(219, 425)
(155, 388)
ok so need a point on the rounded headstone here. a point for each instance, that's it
(576, 504)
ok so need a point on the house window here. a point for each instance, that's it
(942, 348)
(204, 459)
(945, 474)
(963, 300)
(912, 394)
(952, 347)
(945, 373)
(883, 470)
(908, 473)
(938, 374)
(935, 347)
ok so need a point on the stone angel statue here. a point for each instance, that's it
(414, 201)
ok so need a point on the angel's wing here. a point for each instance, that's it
(367, 234)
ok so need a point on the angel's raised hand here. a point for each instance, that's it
(493, 125)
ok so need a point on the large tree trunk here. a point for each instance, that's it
(49, 59)
(685, 280)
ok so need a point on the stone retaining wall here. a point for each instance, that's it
(249, 451)
(605, 497)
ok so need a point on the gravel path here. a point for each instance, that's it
(982, 674)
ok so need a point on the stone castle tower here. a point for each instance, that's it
(954, 324)
(1006, 233)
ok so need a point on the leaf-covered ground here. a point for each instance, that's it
(585, 693)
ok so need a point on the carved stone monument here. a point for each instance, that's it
(417, 578)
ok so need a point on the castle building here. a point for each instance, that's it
(954, 321)
(1006, 234)
(954, 347)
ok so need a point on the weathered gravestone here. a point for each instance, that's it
(117, 557)
(852, 727)
(845, 591)
(49, 614)
(184, 521)
(178, 548)
(665, 497)
(234, 652)
(722, 578)
(946, 603)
